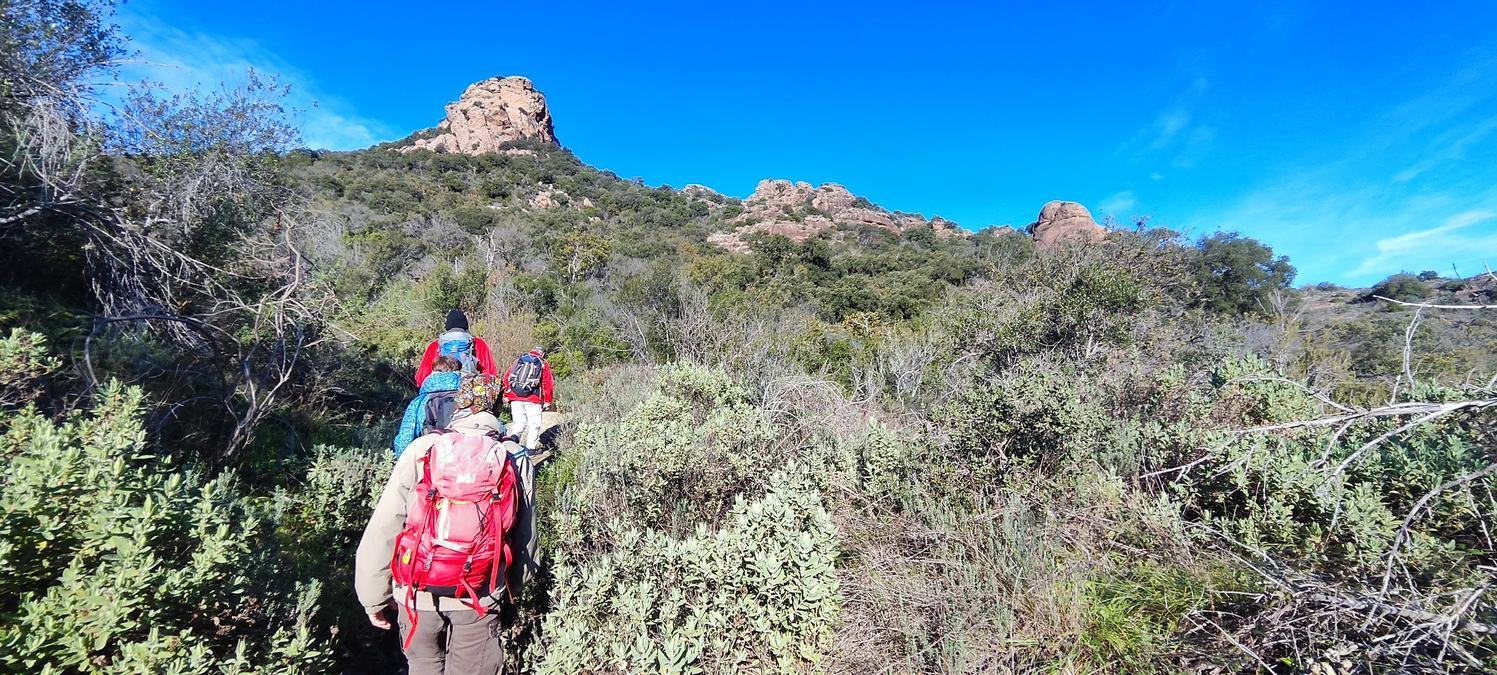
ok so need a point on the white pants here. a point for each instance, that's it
(527, 422)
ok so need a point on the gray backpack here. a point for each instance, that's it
(525, 375)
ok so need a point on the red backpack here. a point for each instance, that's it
(454, 542)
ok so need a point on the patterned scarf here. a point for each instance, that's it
(415, 412)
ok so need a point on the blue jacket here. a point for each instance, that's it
(415, 411)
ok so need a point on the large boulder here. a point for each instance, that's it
(1062, 221)
(490, 115)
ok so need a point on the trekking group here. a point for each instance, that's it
(453, 533)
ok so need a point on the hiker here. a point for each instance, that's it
(528, 388)
(435, 391)
(457, 342)
(437, 544)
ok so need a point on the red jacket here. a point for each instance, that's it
(480, 352)
(543, 396)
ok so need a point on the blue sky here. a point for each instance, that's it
(1359, 138)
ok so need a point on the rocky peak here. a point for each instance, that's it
(490, 115)
(1061, 221)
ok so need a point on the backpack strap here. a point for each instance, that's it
(410, 589)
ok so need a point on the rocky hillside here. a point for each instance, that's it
(798, 212)
(508, 115)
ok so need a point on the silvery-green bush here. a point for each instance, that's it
(760, 593)
(688, 543)
(24, 360)
(114, 561)
(682, 454)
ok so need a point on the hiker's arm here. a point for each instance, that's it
(427, 360)
(484, 356)
(546, 383)
(372, 562)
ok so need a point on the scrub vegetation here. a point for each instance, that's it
(864, 452)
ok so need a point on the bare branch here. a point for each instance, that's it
(1426, 305)
(1408, 521)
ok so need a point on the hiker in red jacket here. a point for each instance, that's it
(457, 342)
(528, 388)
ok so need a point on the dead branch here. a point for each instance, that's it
(1394, 410)
(1425, 305)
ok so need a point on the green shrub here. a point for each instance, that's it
(683, 542)
(1036, 416)
(759, 593)
(446, 289)
(1405, 287)
(684, 453)
(111, 560)
(25, 361)
(1249, 393)
(319, 523)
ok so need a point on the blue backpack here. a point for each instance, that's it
(459, 345)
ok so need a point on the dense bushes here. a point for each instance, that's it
(112, 560)
(1405, 287)
(686, 544)
(862, 452)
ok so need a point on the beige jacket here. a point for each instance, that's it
(372, 581)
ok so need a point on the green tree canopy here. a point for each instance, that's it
(1236, 273)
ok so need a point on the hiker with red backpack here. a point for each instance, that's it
(452, 535)
(529, 389)
(472, 353)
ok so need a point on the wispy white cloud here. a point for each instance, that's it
(1119, 204)
(1447, 239)
(1166, 128)
(1449, 147)
(1176, 134)
(1336, 228)
(182, 60)
(1356, 211)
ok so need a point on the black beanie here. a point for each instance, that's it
(456, 319)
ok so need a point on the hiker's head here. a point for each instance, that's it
(539, 351)
(477, 393)
(456, 320)
(484, 422)
(445, 364)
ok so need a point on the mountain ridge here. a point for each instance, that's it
(508, 114)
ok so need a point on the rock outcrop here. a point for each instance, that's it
(799, 211)
(1061, 221)
(713, 199)
(489, 116)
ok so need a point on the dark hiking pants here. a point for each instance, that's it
(459, 642)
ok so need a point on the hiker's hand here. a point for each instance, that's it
(378, 619)
(549, 405)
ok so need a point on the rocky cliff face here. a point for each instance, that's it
(799, 211)
(1061, 221)
(489, 116)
